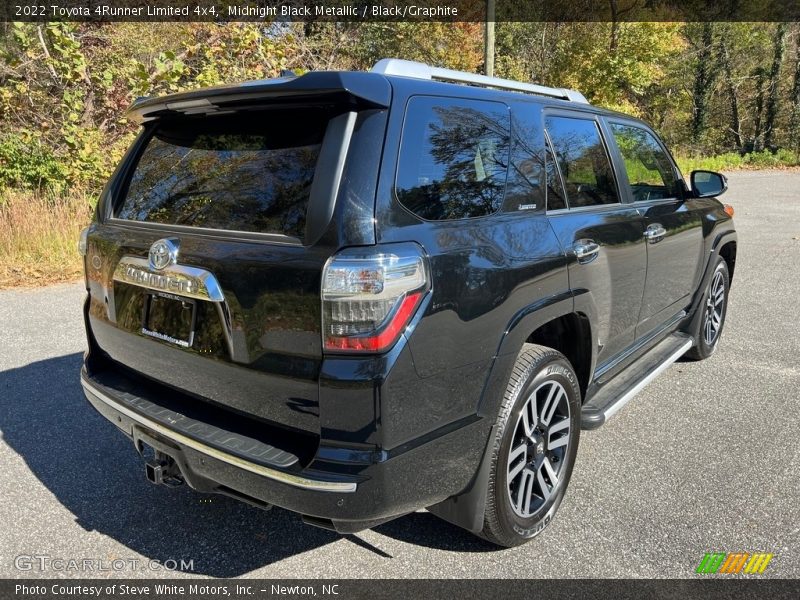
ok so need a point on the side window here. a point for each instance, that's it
(525, 187)
(453, 158)
(583, 161)
(649, 169)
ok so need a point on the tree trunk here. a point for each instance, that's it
(735, 125)
(794, 124)
(774, 89)
(702, 82)
(612, 46)
(757, 145)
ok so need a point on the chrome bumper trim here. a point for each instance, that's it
(287, 478)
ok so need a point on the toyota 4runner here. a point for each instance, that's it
(355, 295)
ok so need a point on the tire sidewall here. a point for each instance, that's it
(555, 369)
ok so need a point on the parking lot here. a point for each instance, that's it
(706, 458)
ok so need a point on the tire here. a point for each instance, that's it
(704, 343)
(531, 450)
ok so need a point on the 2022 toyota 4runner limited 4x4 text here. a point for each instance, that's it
(355, 295)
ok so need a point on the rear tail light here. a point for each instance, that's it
(83, 241)
(369, 296)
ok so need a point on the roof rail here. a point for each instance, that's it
(418, 70)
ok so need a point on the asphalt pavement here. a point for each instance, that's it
(705, 459)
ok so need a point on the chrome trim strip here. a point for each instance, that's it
(593, 208)
(625, 398)
(297, 481)
(601, 370)
(190, 282)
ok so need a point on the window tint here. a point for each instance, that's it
(649, 169)
(453, 158)
(555, 191)
(227, 173)
(525, 186)
(583, 161)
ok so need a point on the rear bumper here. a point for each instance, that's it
(343, 490)
(101, 397)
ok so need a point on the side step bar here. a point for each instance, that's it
(620, 390)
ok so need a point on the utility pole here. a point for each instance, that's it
(488, 56)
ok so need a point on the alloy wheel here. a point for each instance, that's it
(715, 307)
(539, 447)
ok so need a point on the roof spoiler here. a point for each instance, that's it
(354, 89)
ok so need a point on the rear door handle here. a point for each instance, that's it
(586, 251)
(655, 233)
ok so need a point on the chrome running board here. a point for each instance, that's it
(621, 389)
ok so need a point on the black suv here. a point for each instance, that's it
(355, 295)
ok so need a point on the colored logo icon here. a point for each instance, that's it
(733, 563)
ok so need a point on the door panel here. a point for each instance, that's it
(673, 231)
(615, 279)
(673, 260)
(603, 238)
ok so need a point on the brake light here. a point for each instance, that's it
(369, 295)
(728, 210)
(83, 241)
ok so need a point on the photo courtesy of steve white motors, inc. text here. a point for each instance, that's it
(193, 590)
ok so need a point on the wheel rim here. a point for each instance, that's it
(539, 448)
(715, 309)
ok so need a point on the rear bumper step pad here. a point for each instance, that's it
(230, 447)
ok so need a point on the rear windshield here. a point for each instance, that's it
(249, 174)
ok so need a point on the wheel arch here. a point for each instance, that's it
(570, 334)
(725, 246)
(537, 323)
(548, 322)
(728, 252)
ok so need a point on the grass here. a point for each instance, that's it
(733, 161)
(39, 237)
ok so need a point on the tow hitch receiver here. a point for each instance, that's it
(163, 469)
(159, 468)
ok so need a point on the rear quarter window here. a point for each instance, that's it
(453, 157)
(250, 175)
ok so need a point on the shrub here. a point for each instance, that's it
(731, 161)
(27, 163)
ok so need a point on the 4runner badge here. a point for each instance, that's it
(163, 253)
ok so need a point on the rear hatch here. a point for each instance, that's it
(204, 264)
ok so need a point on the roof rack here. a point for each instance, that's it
(418, 70)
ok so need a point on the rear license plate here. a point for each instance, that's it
(170, 318)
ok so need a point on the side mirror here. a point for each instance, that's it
(706, 184)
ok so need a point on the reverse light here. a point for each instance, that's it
(369, 296)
